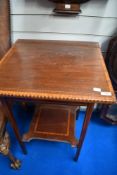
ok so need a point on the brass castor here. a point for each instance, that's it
(16, 164)
(4, 149)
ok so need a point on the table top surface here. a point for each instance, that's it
(55, 70)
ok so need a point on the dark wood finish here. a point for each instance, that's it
(53, 122)
(111, 63)
(84, 129)
(69, 1)
(53, 72)
(67, 9)
(5, 39)
(68, 6)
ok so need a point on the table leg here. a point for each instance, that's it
(84, 129)
(15, 163)
(8, 112)
(5, 150)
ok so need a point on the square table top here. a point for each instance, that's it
(55, 70)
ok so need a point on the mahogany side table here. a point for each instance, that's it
(59, 74)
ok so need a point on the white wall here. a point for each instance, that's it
(34, 19)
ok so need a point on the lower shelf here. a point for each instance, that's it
(53, 122)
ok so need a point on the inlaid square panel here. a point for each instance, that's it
(53, 122)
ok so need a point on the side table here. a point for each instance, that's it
(59, 76)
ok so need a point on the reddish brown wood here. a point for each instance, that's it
(53, 122)
(84, 129)
(55, 72)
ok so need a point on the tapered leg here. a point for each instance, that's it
(8, 112)
(84, 129)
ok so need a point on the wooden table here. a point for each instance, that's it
(59, 74)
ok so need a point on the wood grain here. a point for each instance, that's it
(53, 122)
(55, 70)
(103, 40)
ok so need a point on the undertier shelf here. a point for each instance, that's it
(53, 122)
